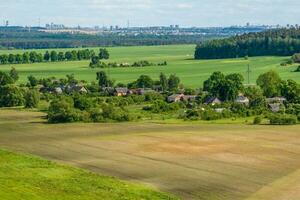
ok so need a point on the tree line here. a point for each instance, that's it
(282, 42)
(52, 56)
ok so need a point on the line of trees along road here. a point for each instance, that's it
(283, 42)
(50, 56)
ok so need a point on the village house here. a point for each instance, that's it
(276, 100)
(76, 88)
(275, 107)
(213, 101)
(121, 92)
(242, 100)
(175, 98)
(189, 97)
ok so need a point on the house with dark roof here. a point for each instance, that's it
(213, 101)
(76, 88)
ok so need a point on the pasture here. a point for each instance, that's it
(193, 161)
(180, 62)
(30, 178)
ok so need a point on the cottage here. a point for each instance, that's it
(213, 101)
(189, 97)
(275, 107)
(219, 110)
(242, 100)
(76, 88)
(120, 92)
(58, 90)
(276, 100)
(175, 98)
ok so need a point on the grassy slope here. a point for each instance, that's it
(179, 57)
(25, 177)
(208, 161)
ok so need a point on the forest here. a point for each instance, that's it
(281, 42)
(21, 38)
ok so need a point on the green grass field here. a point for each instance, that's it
(192, 161)
(26, 177)
(179, 58)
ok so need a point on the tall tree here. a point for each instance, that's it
(144, 81)
(47, 56)
(14, 74)
(163, 81)
(270, 83)
(103, 80)
(103, 54)
(173, 82)
(53, 56)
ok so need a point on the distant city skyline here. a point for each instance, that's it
(186, 13)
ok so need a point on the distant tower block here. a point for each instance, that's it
(6, 23)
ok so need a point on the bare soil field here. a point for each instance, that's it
(207, 161)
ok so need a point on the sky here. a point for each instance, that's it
(186, 13)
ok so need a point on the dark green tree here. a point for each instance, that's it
(32, 98)
(173, 82)
(163, 81)
(32, 81)
(144, 81)
(270, 83)
(11, 96)
(14, 74)
(47, 56)
(5, 79)
(53, 56)
(103, 54)
(103, 80)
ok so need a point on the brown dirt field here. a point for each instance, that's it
(206, 162)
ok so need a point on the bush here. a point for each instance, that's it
(32, 99)
(257, 120)
(282, 119)
(11, 96)
(62, 110)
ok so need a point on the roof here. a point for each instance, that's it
(275, 107)
(189, 97)
(242, 99)
(175, 97)
(276, 99)
(121, 90)
(213, 100)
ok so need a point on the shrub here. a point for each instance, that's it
(32, 98)
(11, 96)
(282, 119)
(257, 120)
(62, 110)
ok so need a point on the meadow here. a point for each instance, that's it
(192, 161)
(31, 178)
(180, 62)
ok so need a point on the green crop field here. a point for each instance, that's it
(30, 178)
(179, 58)
(192, 161)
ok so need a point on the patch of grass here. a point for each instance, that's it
(26, 177)
(179, 58)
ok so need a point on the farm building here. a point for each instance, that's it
(242, 100)
(121, 92)
(175, 98)
(213, 101)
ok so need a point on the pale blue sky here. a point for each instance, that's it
(150, 12)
